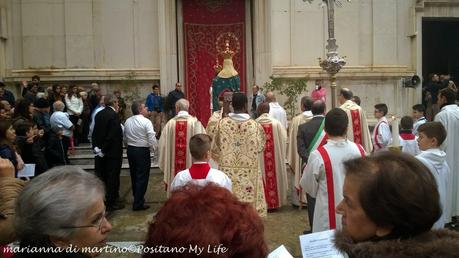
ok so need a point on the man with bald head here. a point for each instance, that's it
(174, 153)
(293, 158)
(276, 110)
(272, 159)
(357, 129)
(60, 119)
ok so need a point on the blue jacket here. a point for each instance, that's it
(154, 103)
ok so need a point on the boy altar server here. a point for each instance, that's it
(200, 172)
(323, 177)
(431, 136)
(382, 136)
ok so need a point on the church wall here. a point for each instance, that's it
(373, 35)
(114, 42)
(133, 43)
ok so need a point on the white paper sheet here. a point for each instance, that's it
(280, 252)
(27, 171)
(319, 245)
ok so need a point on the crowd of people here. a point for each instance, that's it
(382, 203)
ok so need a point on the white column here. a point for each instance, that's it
(167, 45)
(262, 41)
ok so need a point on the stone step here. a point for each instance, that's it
(88, 159)
(124, 169)
(90, 155)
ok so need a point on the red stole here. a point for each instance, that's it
(270, 178)
(356, 126)
(407, 136)
(376, 136)
(330, 185)
(180, 146)
(199, 170)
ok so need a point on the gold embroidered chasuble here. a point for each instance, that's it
(236, 147)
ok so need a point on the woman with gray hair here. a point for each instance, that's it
(61, 213)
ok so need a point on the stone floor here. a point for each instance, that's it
(282, 226)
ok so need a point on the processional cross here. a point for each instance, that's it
(333, 63)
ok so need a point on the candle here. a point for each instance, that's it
(395, 133)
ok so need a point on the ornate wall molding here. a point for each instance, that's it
(147, 74)
(348, 72)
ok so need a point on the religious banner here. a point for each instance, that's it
(204, 21)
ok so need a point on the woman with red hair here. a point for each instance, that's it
(205, 221)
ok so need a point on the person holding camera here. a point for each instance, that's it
(154, 104)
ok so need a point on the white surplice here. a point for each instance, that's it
(384, 137)
(449, 117)
(435, 161)
(278, 112)
(213, 176)
(314, 179)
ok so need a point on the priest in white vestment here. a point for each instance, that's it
(293, 159)
(174, 154)
(357, 130)
(323, 176)
(273, 159)
(212, 127)
(200, 172)
(431, 136)
(276, 110)
(449, 117)
(238, 142)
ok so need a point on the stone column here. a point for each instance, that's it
(167, 45)
(262, 41)
(3, 38)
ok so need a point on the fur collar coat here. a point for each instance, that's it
(435, 243)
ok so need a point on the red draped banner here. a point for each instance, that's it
(203, 22)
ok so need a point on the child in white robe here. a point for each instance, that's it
(431, 136)
(200, 171)
(408, 140)
(381, 137)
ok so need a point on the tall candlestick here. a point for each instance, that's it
(395, 133)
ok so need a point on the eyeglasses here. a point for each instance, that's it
(97, 224)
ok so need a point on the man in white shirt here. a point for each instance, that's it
(200, 172)
(382, 136)
(140, 139)
(275, 110)
(62, 120)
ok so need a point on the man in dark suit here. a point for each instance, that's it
(107, 141)
(306, 134)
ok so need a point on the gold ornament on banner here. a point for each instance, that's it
(223, 46)
(224, 42)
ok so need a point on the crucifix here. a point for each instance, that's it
(333, 63)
